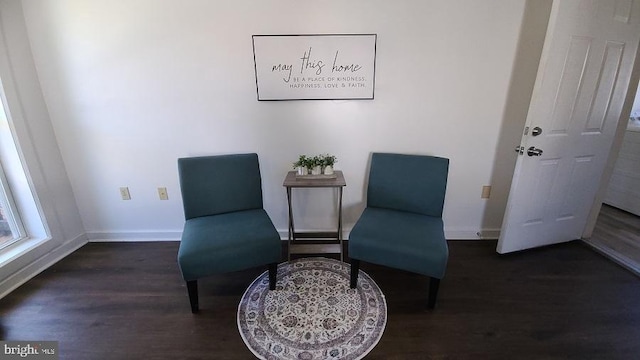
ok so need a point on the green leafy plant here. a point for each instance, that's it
(311, 162)
(329, 160)
(302, 161)
(317, 161)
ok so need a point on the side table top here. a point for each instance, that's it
(292, 180)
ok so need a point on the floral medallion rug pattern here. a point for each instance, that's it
(313, 313)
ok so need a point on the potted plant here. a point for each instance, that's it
(316, 165)
(327, 162)
(302, 165)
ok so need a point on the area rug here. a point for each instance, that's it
(312, 314)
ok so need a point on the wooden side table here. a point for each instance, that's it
(297, 246)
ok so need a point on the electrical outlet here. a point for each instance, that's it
(486, 192)
(124, 193)
(162, 193)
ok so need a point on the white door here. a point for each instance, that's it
(582, 82)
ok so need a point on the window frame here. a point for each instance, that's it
(10, 212)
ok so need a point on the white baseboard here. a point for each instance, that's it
(141, 236)
(34, 268)
(135, 236)
(466, 234)
(449, 234)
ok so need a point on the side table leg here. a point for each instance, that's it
(340, 225)
(291, 228)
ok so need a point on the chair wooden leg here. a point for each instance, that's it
(192, 288)
(434, 284)
(355, 268)
(273, 271)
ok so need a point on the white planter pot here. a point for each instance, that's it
(302, 170)
(316, 170)
(328, 170)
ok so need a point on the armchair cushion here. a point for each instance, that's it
(227, 242)
(423, 248)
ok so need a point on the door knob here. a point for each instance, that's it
(536, 131)
(532, 151)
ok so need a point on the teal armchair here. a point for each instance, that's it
(401, 226)
(226, 227)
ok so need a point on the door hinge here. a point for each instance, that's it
(520, 149)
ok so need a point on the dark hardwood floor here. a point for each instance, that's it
(127, 301)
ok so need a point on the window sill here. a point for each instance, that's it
(19, 248)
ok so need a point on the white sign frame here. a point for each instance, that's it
(315, 67)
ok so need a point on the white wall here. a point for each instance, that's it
(133, 85)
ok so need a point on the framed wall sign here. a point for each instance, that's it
(315, 67)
